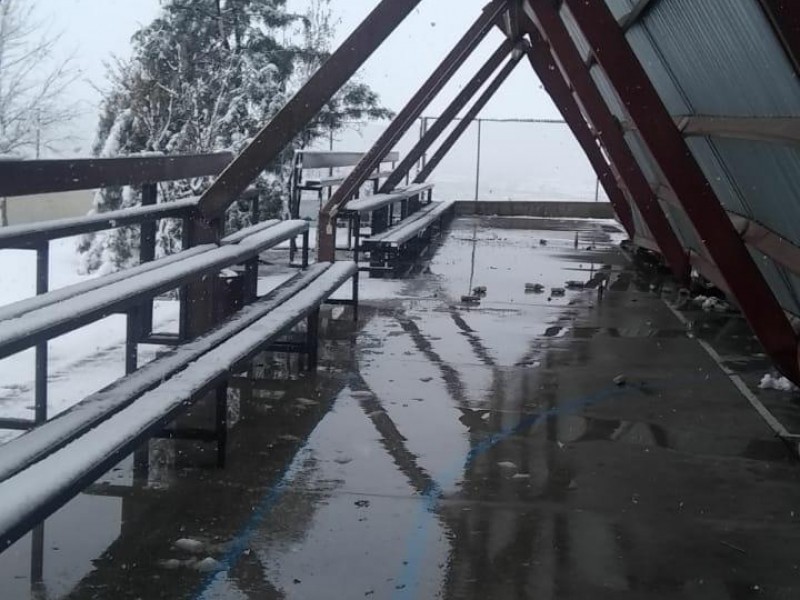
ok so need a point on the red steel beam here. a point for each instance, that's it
(490, 16)
(696, 195)
(549, 74)
(785, 18)
(299, 111)
(468, 118)
(447, 116)
(610, 134)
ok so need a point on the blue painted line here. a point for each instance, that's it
(242, 540)
(418, 542)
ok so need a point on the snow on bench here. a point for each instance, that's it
(49, 437)
(410, 227)
(40, 489)
(377, 201)
(48, 320)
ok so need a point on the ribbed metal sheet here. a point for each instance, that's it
(767, 176)
(724, 56)
(778, 281)
(608, 93)
(705, 153)
(620, 8)
(575, 33)
(655, 67)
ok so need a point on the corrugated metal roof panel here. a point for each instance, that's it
(706, 156)
(575, 33)
(767, 176)
(652, 61)
(608, 93)
(724, 56)
(619, 8)
(778, 282)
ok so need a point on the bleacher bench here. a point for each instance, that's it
(44, 468)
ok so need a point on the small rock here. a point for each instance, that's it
(543, 242)
(208, 565)
(296, 581)
(620, 380)
(480, 290)
(362, 503)
(189, 545)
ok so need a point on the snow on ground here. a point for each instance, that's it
(80, 362)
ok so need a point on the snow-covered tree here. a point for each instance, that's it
(33, 108)
(205, 76)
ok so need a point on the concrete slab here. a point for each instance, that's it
(468, 451)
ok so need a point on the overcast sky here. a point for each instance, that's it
(97, 29)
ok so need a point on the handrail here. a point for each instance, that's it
(31, 235)
(28, 177)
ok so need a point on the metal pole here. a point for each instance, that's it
(478, 164)
(42, 287)
(597, 191)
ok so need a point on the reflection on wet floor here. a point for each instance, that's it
(530, 446)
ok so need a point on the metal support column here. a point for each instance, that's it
(609, 133)
(403, 121)
(312, 340)
(684, 175)
(147, 249)
(221, 397)
(40, 385)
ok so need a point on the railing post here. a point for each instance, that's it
(147, 250)
(42, 287)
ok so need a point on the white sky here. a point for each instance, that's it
(94, 30)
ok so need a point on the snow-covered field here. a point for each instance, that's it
(80, 362)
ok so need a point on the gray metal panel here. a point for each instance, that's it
(768, 178)
(682, 227)
(620, 8)
(778, 281)
(608, 93)
(642, 155)
(654, 65)
(724, 55)
(706, 156)
(575, 33)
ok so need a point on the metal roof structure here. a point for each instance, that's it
(686, 109)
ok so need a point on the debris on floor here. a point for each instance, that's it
(189, 545)
(776, 382)
(536, 288)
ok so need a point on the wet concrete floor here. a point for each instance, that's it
(466, 451)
